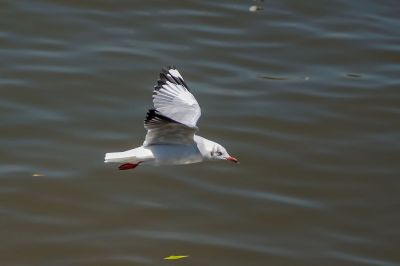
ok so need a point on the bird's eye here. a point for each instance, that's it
(216, 153)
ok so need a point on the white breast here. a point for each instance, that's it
(174, 154)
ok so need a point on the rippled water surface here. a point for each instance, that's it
(304, 93)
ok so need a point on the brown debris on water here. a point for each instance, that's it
(353, 75)
(273, 78)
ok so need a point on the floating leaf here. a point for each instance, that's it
(255, 8)
(176, 257)
(273, 78)
(37, 174)
(353, 75)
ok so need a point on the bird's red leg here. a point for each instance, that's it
(127, 166)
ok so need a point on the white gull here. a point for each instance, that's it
(171, 128)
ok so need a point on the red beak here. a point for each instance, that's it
(232, 159)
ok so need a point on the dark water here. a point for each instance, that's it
(304, 93)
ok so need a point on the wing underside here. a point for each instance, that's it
(163, 130)
(174, 116)
(172, 98)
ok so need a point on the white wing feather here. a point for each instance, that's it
(163, 130)
(175, 114)
(172, 98)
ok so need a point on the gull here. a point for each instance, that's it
(171, 128)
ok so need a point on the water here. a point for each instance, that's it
(304, 93)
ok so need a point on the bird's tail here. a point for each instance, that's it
(119, 157)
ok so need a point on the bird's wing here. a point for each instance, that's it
(172, 98)
(175, 114)
(164, 130)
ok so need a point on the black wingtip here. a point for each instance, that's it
(165, 76)
(167, 68)
(153, 116)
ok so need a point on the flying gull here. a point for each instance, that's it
(171, 128)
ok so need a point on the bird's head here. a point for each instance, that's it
(218, 152)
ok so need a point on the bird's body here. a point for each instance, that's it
(171, 127)
(162, 154)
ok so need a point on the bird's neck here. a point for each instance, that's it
(205, 146)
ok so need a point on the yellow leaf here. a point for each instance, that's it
(176, 257)
(37, 174)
